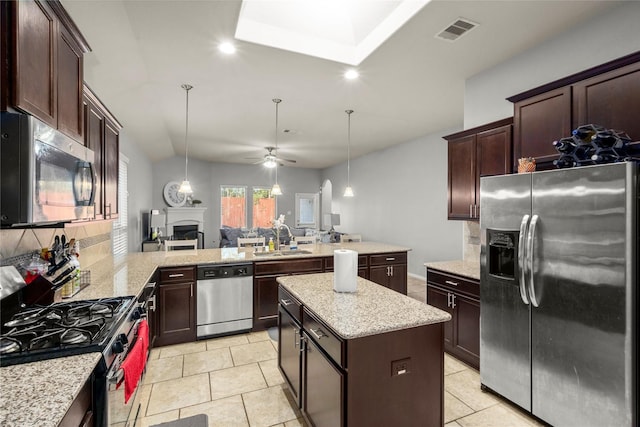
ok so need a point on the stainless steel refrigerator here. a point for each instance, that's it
(558, 288)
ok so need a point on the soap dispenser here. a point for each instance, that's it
(271, 244)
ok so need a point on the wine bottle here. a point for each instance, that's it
(564, 145)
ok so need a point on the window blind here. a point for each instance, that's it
(119, 232)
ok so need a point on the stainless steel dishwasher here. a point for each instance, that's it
(225, 299)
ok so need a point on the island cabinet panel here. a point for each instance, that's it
(395, 378)
(460, 297)
(265, 286)
(176, 306)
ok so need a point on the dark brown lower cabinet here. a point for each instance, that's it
(176, 312)
(289, 354)
(460, 297)
(323, 388)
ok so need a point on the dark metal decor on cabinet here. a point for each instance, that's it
(460, 297)
(176, 306)
(474, 153)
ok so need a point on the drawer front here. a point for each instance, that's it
(390, 258)
(290, 303)
(323, 337)
(177, 274)
(454, 283)
(309, 265)
(328, 262)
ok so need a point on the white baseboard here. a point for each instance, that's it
(417, 276)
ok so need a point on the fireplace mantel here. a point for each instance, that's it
(184, 216)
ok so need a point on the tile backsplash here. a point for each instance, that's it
(94, 238)
(471, 241)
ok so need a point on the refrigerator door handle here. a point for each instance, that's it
(521, 259)
(531, 235)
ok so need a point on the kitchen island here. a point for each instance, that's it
(372, 357)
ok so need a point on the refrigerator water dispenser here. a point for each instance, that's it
(503, 253)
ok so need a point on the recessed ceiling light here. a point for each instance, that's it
(227, 48)
(351, 74)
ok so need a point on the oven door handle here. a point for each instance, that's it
(116, 377)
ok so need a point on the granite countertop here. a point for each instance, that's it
(128, 275)
(371, 310)
(460, 267)
(41, 393)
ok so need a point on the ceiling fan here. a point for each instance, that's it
(270, 159)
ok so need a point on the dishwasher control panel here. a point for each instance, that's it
(224, 271)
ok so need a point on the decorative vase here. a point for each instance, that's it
(526, 164)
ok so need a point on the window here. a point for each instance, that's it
(264, 207)
(119, 226)
(307, 210)
(233, 206)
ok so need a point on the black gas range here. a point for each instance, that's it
(67, 328)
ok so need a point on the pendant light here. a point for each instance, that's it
(276, 191)
(185, 187)
(348, 192)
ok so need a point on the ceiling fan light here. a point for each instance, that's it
(348, 192)
(276, 190)
(185, 187)
(269, 163)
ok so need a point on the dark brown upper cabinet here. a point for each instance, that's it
(44, 72)
(607, 95)
(472, 154)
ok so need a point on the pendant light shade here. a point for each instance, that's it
(348, 192)
(276, 190)
(185, 187)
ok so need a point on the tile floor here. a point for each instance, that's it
(236, 382)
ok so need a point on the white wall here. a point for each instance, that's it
(139, 182)
(206, 179)
(401, 199)
(606, 37)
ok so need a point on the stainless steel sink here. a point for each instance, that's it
(283, 253)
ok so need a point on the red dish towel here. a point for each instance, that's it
(136, 360)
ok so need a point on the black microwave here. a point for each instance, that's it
(46, 177)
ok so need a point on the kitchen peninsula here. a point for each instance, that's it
(128, 276)
(361, 358)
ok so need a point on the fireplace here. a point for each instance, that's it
(188, 232)
(186, 224)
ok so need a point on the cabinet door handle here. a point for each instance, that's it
(177, 275)
(391, 259)
(191, 287)
(453, 301)
(448, 299)
(285, 302)
(296, 340)
(471, 210)
(317, 333)
(391, 270)
(449, 282)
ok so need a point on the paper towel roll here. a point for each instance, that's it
(345, 270)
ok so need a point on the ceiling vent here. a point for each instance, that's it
(457, 29)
